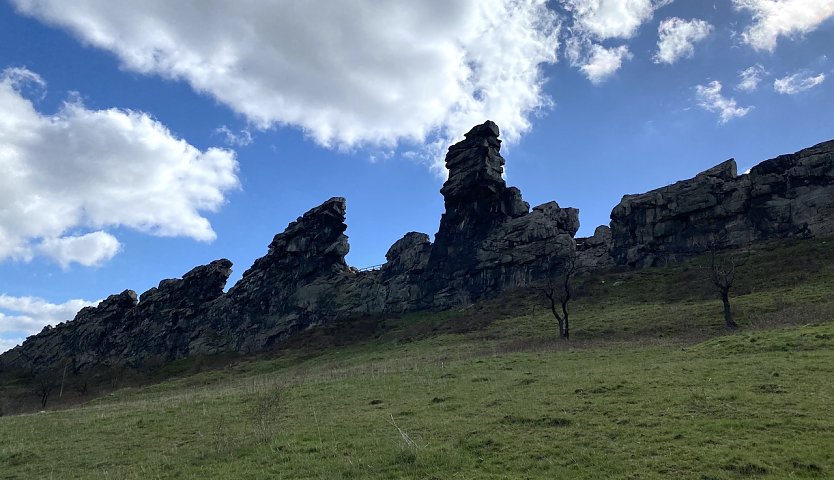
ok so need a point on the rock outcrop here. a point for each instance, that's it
(790, 196)
(294, 286)
(488, 240)
(121, 331)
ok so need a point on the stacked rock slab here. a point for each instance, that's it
(488, 241)
(790, 196)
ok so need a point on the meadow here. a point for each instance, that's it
(649, 386)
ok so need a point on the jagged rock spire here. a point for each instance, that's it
(476, 196)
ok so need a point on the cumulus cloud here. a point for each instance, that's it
(677, 38)
(603, 62)
(89, 250)
(776, 18)
(603, 19)
(23, 316)
(797, 83)
(65, 178)
(750, 78)
(710, 98)
(347, 73)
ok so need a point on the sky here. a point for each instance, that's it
(141, 139)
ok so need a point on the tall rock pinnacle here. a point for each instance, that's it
(476, 196)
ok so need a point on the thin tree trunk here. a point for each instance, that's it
(728, 313)
(566, 329)
(562, 322)
(63, 377)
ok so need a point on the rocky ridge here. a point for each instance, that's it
(488, 240)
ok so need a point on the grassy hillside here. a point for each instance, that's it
(650, 387)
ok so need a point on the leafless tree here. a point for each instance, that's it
(44, 386)
(559, 292)
(722, 274)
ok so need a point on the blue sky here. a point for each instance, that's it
(140, 139)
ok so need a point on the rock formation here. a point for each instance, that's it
(121, 331)
(790, 196)
(488, 240)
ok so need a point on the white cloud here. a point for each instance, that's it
(64, 178)
(750, 78)
(598, 20)
(89, 250)
(347, 73)
(603, 62)
(22, 79)
(603, 19)
(678, 37)
(233, 139)
(796, 83)
(574, 48)
(710, 98)
(28, 315)
(776, 18)
(34, 313)
(9, 343)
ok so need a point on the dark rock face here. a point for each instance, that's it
(595, 252)
(488, 240)
(122, 331)
(287, 287)
(477, 198)
(791, 196)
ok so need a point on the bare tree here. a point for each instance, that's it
(722, 274)
(44, 386)
(558, 290)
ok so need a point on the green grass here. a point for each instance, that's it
(650, 387)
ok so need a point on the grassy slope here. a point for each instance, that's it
(649, 388)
